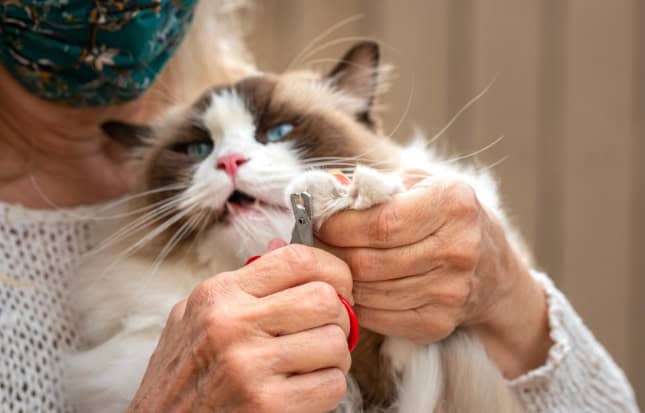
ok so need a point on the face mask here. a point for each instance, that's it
(90, 53)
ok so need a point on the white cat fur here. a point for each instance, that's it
(123, 304)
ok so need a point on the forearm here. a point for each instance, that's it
(579, 375)
(516, 334)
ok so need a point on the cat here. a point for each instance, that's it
(213, 180)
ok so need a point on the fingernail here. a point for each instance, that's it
(253, 258)
(276, 243)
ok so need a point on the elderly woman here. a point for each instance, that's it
(56, 164)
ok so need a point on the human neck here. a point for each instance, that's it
(55, 156)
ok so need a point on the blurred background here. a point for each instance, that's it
(569, 98)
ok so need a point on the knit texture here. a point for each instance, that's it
(39, 255)
(579, 375)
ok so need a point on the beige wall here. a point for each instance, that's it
(569, 97)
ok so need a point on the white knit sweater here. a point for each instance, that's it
(39, 254)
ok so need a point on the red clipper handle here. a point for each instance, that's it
(354, 330)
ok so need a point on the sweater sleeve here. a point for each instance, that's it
(579, 374)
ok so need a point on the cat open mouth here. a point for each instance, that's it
(240, 202)
(239, 198)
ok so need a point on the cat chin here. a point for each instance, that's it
(228, 244)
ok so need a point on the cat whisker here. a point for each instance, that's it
(408, 105)
(330, 165)
(344, 40)
(496, 163)
(147, 238)
(270, 214)
(136, 225)
(201, 224)
(477, 152)
(172, 242)
(457, 115)
(133, 212)
(325, 33)
(244, 230)
(144, 193)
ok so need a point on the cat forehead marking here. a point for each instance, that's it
(228, 114)
(236, 108)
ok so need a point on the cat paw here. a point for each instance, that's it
(368, 187)
(328, 194)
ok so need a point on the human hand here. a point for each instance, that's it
(269, 337)
(433, 259)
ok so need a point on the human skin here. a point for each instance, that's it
(270, 337)
(432, 260)
(54, 156)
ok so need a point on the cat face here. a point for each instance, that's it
(219, 168)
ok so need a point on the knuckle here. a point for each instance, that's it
(199, 295)
(442, 327)
(347, 364)
(462, 199)
(388, 224)
(336, 386)
(177, 311)
(463, 254)
(266, 400)
(335, 337)
(458, 295)
(464, 260)
(472, 241)
(236, 365)
(299, 257)
(218, 330)
(324, 298)
(363, 263)
(207, 292)
(436, 325)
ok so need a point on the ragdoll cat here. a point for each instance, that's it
(214, 180)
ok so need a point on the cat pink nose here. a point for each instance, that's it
(230, 163)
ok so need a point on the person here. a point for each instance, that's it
(57, 166)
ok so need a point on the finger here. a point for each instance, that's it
(412, 177)
(427, 324)
(413, 292)
(177, 312)
(310, 350)
(407, 218)
(290, 266)
(376, 264)
(276, 243)
(319, 391)
(303, 307)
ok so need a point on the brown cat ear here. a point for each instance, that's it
(357, 74)
(129, 135)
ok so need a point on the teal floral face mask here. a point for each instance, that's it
(90, 52)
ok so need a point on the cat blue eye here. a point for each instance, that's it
(199, 149)
(278, 132)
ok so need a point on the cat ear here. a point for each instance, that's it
(357, 74)
(129, 135)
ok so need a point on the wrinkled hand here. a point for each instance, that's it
(433, 259)
(270, 337)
